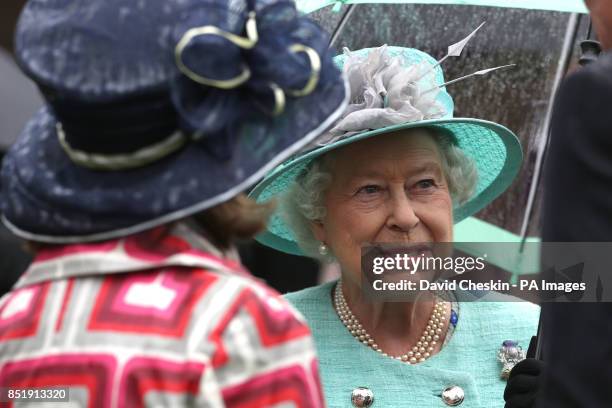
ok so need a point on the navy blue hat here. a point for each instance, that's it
(159, 109)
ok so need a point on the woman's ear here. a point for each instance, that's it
(318, 230)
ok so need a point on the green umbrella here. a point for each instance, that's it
(574, 6)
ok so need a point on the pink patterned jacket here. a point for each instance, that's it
(154, 319)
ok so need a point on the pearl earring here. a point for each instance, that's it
(323, 249)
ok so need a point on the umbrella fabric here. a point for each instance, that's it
(574, 6)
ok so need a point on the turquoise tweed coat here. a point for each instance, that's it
(469, 360)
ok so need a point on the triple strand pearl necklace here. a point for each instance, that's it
(419, 353)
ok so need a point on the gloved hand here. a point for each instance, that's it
(524, 380)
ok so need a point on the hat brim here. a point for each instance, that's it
(48, 198)
(495, 150)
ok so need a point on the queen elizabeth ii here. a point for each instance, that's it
(397, 168)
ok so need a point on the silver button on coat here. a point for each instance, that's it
(453, 395)
(362, 397)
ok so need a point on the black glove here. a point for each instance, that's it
(524, 380)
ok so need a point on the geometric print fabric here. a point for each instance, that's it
(192, 329)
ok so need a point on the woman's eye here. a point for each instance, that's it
(370, 189)
(426, 184)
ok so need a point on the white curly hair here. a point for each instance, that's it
(304, 201)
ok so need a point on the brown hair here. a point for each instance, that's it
(237, 219)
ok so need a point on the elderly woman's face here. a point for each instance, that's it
(385, 189)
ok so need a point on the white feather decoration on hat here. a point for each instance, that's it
(384, 92)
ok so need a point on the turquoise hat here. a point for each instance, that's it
(495, 150)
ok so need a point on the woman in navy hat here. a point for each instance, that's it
(128, 187)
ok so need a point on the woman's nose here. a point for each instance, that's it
(402, 215)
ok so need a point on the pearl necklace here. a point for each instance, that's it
(419, 353)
